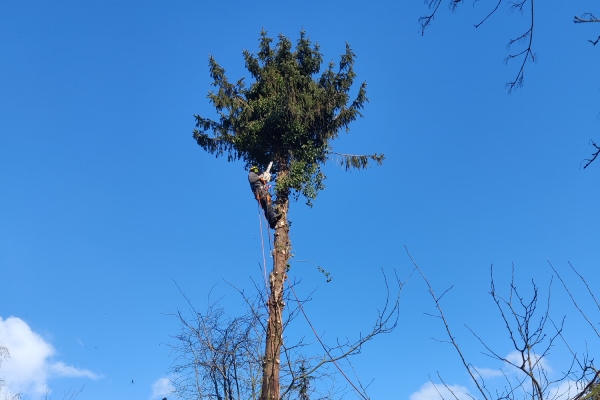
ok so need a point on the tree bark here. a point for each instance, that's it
(274, 341)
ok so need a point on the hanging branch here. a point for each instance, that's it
(357, 161)
(527, 53)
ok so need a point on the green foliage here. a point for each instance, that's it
(287, 115)
(592, 393)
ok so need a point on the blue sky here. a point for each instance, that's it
(107, 201)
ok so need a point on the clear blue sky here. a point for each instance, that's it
(106, 200)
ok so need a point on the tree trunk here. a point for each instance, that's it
(275, 304)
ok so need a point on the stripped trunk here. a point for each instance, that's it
(275, 304)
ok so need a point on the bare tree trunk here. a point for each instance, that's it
(275, 304)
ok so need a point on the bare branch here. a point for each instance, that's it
(593, 382)
(586, 17)
(447, 387)
(450, 336)
(573, 299)
(426, 20)
(489, 15)
(527, 53)
(385, 323)
(591, 160)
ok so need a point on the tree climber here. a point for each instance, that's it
(258, 184)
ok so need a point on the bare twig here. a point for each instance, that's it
(450, 336)
(489, 15)
(586, 17)
(591, 160)
(573, 298)
(527, 53)
(385, 323)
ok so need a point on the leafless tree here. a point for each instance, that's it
(67, 395)
(6, 395)
(217, 356)
(532, 333)
(5, 354)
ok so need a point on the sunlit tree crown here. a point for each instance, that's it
(287, 115)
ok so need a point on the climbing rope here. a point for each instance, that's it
(262, 242)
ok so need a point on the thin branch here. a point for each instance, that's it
(447, 387)
(586, 17)
(358, 391)
(586, 285)
(438, 306)
(588, 386)
(489, 15)
(528, 52)
(591, 160)
(427, 19)
(383, 324)
(573, 299)
(445, 291)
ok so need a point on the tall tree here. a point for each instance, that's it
(290, 116)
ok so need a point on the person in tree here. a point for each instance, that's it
(258, 185)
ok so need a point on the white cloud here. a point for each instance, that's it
(509, 370)
(30, 364)
(429, 391)
(485, 373)
(162, 388)
(68, 371)
(564, 391)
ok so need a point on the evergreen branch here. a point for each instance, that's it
(357, 161)
(286, 115)
(216, 145)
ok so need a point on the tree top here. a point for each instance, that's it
(287, 115)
